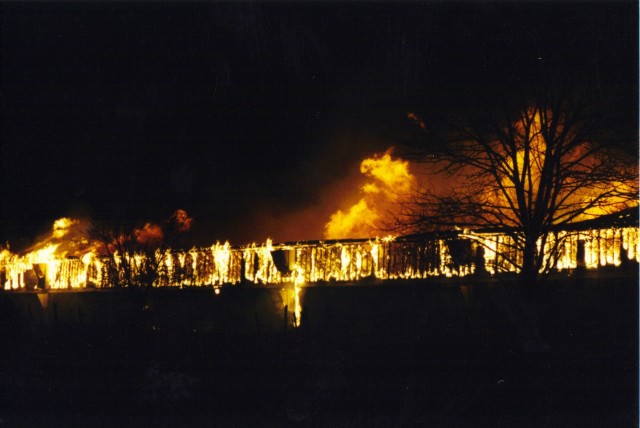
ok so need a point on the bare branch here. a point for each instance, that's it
(528, 171)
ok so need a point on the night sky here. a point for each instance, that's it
(245, 113)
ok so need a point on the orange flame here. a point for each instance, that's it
(311, 262)
(389, 179)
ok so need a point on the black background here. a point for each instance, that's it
(233, 110)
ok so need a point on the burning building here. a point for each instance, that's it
(610, 240)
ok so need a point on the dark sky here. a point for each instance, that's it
(242, 110)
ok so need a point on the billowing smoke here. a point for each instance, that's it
(150, 234)
(76, 237)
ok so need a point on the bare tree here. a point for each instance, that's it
(525, 169)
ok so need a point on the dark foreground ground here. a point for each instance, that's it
(432, 355)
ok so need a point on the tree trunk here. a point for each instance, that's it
(530, 270)
(524, 315)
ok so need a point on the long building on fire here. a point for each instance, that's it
(611, 240)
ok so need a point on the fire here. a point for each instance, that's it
(392, 173)
(67, 260)
(389, 179)
(68, 256)
(221, 258)
(61, 227)
(346, 261)
(359, 220)
(59, 259)
(298, 281)
(597, 198)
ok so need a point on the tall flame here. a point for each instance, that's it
(388, 179)
(44, 261)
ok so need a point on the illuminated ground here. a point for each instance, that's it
(397, 355)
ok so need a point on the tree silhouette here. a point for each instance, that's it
(526, 168)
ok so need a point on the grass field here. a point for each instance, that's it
(394, 354)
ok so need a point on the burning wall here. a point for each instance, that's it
(454, 254)
(68, 258)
